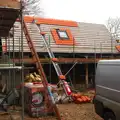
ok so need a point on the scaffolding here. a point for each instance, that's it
(12, 75)
(10, 72)
(10, 65)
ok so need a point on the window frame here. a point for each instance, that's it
(59, 41)
(62, 38)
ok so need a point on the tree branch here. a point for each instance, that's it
(113, 25)
(32, 7)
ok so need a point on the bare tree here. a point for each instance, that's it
(32, 7)
(113, 25)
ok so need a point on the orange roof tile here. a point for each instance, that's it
(39, 20)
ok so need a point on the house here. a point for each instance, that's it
(70, 41)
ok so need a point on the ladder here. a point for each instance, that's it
(50, 99)
(62, 78)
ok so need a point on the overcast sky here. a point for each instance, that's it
(93, 11)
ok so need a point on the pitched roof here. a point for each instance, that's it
(87, 36)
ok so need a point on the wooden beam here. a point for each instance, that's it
(83, 60)
(63, 60)
(86, 76)
(30, 60)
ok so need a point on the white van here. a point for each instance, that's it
(107, 85)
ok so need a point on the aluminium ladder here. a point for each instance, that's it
(51, 102)
(62, 78)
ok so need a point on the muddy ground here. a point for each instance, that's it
(69, 111)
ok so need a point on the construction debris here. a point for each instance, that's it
(33, 77)
(79, 98)
(58, 92)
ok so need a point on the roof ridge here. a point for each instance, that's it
(49, 18)
(41, 20)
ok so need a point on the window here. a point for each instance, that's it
(63, 36)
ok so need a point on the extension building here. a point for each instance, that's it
(71, 42)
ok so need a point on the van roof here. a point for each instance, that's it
(117, 61)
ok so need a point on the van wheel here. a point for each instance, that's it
(109, 116)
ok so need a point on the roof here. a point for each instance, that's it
(89, 38)
(95, 36)
(49, 21)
